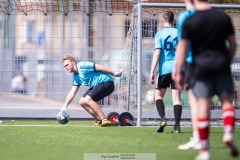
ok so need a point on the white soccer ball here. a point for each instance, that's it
(63, 117)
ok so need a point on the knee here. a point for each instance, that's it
(82, 102)
(88, 100)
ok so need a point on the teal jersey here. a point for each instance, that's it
(87, 75)
(181, 19)
(166, 40)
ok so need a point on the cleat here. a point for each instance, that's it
(204, 155)
(105, 123)
(97, 123)
(228, 140)
(176, 129)
(163, 124)
(190, 145)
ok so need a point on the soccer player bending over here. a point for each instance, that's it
(100, 83)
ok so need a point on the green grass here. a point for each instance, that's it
(48, 140)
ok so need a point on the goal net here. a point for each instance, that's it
(150, 16)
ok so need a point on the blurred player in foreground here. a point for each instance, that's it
(98, 78)
(164, 56)
(208, 30)
(194, 141)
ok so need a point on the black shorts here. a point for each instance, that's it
(189, 80)
(165, 81)
(101, 90)
(220, 85)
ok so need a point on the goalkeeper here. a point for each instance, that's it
(100, 83)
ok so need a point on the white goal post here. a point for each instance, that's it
(139, 45)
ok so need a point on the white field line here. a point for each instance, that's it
(76, 126)
(42, 125)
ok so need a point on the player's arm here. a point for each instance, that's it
(232, 45)
(155, 59)
(101, 68)
(181, 52)
(70, 97)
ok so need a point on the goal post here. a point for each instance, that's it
(139, 29)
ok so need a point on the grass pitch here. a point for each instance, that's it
(48, 140)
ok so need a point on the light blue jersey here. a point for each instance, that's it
(181, 19)
(87, 75)
(166, 40)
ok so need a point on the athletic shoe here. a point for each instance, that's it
(228, 140)
(163, 124)
(97, 123)
(176, 129)
(105, 123)
(203, 155)
(190, 145)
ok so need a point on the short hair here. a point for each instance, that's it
(68, 57)
(168, 16)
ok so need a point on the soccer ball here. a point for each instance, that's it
(63, 117)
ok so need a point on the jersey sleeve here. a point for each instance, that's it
(75, 83)
(87, 67)
(180, 21)
(158, 44)
(76, 80)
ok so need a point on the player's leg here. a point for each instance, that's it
(84, 104)
(159, 94)
(189, 81)
(225, 90)
(203, 127)
(177, 109)
(162, 83)
(193, 111)
(94, 106)
(228, 117)
(99, 92)
(194, 141)
(203, 90)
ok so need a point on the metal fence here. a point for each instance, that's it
(35, 36)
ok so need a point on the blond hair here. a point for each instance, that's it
(68, 57)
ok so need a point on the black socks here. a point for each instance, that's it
(160, 107)
(177, 113)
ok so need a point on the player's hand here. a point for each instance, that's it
(118, 74)
(178, 78)
(151, 78)
(64, 108)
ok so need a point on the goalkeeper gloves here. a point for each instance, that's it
(118, 74)
(64, 108)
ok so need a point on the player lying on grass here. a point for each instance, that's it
(100, 83)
